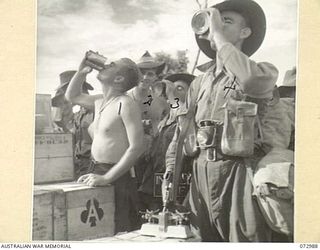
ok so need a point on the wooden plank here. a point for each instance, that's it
(53, 145)
(62, 186)
(57, 169)
(42, 219)
(75, 197)
(60, 229)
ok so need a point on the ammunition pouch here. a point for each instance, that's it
(238, 129)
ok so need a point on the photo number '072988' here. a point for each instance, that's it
(308, 245)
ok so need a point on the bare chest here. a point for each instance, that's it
(107, 118)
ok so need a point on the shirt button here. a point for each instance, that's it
(209, 102)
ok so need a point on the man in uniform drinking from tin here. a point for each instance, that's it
(222, 208)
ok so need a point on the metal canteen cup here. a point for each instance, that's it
(206, 134)
(200, 22)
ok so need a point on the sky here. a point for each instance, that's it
(66, 29)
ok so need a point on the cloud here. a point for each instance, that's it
(126, 28)
(64, 33)
(58, 7)
(131, 11)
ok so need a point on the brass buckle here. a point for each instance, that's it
(211, 154)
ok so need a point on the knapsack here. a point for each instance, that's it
(273, 182)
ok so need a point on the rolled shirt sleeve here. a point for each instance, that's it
(255, 79)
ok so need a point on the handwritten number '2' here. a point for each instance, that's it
(149, 101)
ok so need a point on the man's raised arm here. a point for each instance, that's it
(255, 79)
(74, 91)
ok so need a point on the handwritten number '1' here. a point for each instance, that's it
(177, 104)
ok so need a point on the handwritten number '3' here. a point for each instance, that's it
(177, 104)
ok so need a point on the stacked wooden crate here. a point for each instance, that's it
(62, 208)
(43, 121)
(53, 158)
(53, 151)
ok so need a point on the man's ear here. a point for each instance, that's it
(119, 79)
(245, 33)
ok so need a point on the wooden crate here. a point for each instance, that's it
(53, 158)
(43, 120)
(72, 211)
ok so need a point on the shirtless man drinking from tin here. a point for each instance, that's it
(116, 131)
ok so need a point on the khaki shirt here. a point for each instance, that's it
(240, 76)
(278, 123)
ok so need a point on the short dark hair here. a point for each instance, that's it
(130, 72)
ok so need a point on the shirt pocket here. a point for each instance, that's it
(200, 95)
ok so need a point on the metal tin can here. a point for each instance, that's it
(95, 60)
(200, 22)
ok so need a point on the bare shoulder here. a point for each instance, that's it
(130, 91)
(128, 106)
(127, 100)
(98, 101)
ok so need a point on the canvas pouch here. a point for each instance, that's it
(238, 129)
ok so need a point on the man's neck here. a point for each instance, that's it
(109, 93)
